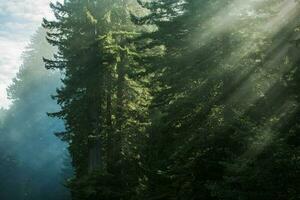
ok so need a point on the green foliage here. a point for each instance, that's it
(104, 98)
(217, 101)
(194, 99)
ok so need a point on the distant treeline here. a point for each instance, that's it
(33, 162)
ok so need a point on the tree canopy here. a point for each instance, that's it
(170, 99)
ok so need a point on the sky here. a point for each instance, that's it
(19, 19)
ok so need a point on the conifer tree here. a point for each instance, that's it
(104, 99)
(212, 68)
(208, 79)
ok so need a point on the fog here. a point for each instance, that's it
(34, 163)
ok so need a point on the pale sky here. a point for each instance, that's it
(18, 21)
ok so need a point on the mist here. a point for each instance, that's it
(32, 159)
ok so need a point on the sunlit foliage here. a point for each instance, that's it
(173, 99)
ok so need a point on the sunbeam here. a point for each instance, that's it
(150, 100)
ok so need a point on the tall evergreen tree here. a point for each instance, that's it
(209, 80)
(104, 99)
(213, 69)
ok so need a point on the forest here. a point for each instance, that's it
(156, 100)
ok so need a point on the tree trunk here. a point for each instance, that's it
(119, 108)
(109, 134)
